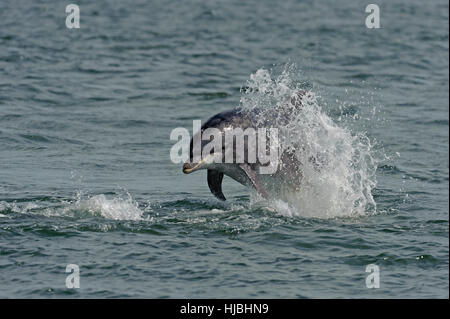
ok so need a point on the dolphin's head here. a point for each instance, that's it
(198, 163)
(213, 130)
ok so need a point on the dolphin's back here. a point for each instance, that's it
(230, 118)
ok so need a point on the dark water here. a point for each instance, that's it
(85, 173)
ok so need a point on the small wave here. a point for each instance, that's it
(6, 208)
(116, 208)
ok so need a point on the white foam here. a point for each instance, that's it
(119, 207)
(116, 208)
(12, 206)
(341, 184)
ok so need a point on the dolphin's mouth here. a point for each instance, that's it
(189, 167)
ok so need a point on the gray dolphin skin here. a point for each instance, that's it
(245, 173)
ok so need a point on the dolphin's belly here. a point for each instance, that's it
(236, 173)
(286, 178)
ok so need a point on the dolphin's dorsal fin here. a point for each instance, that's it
(254, 179)
(215, 183)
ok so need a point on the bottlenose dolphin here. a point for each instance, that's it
(288, 171)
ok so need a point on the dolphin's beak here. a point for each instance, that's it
(192, 167)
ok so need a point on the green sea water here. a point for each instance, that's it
(86, 177)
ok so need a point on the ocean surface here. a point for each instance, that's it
(86, 176)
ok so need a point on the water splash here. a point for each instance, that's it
(117, 208)
(337, 166)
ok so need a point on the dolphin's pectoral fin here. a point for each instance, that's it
(215, 183)
(254, 180)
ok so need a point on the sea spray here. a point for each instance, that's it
(117, 208)
(337, 166)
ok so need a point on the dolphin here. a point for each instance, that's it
(288, 171)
